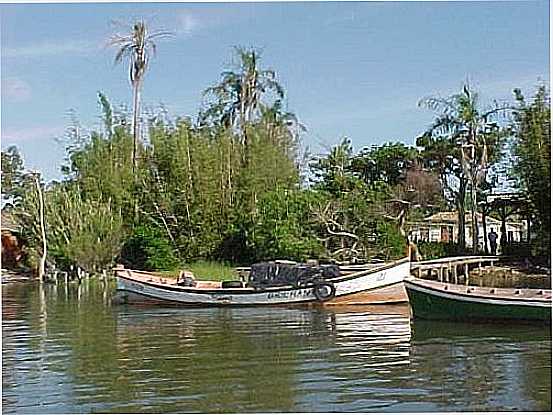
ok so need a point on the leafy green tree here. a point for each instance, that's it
(14, 180)
(333, 173)
(387, 163)
(350, 216)
(532, 126)
(285, 227)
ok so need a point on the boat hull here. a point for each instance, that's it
(441, 304)
(379, 285)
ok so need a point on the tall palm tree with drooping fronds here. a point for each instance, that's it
(466, 139)
(137, 47)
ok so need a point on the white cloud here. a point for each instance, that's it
(10, 136)
(187, 23)
(15, 90)
(51, 48)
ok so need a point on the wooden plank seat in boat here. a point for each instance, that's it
(208, 284)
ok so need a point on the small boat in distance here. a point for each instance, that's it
(435, 300)
(371, 284)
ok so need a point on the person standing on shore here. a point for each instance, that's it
(492, 237)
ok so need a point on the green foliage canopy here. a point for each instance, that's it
(532, 125)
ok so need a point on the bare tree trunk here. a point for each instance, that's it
(136, 138)
(474, 220)
(42, 263)
(486, 250)
(136, 121)
(247, 146)
(230, 187)
(160, 214)
(222, 183)
(461, 241)
(190, 182)
(402, 217)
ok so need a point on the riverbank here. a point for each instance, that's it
(208, 270)
(508, 274)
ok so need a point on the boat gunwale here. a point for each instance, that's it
(249, 290)
(416, 283)
(280, 304)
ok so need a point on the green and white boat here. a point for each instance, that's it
(437, 300)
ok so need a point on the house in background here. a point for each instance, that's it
(444, 227)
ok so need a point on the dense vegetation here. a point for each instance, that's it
(532, 148)
(232, 185)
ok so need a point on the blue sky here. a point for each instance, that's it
(350, 69)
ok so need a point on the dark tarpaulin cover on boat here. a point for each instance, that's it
(273, 274)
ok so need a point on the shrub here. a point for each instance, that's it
(149, 249)
(521, 249)
(390, 242)
(434, 250)
(283, 228)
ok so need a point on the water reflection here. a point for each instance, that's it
(478, 366)
(66, 349)
(242, 359)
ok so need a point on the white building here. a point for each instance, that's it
(444, 227)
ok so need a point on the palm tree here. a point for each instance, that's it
(237, 98)
(473, 142)
(137, 47)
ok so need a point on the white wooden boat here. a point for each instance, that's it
(382, 283)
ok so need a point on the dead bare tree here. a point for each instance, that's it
(42, 262)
